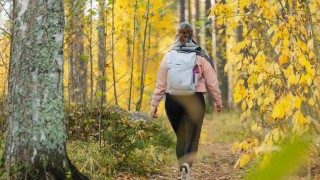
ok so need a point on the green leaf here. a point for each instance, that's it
(282, 163)
(149, 6)
(99, 94)
(85, 57)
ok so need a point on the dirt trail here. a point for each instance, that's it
(214, 161)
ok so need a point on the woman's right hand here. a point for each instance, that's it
(154, 112)
(218, 108)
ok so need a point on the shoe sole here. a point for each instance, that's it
(186, 174)
(183, 174)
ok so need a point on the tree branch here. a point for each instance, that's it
(5, 31)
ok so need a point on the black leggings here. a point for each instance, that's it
(186, 114)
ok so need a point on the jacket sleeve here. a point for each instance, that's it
(210, 77)
(161, 83)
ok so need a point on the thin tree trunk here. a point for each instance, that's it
(102, 34)
(71, 78)
(132, 55)
(221, 59)
(79, 62)
(36, 139)
(128, 44)
(81, 72)
(196, 25)
(182, 8)
(190, 11)
(143, 63)
(112, 57)
(149, 47)
(91, 56)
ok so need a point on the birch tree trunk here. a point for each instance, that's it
(35, 144)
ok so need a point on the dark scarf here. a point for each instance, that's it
(191, 46)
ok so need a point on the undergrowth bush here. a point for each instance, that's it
(138, 146)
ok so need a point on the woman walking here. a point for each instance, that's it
(186, 108)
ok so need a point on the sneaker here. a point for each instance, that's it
(185, 172)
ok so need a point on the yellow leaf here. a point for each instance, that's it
(283, 59)
(237, 96)
(302, 60)
(259, 101)
(235, 147)
(252, 80)
(286, 43)
(250, 104)
(239, 66)
(243, 105)
(301, 120)
(292, 80)
(255, 127)
(288, 104)
(274, 40)
(245, 159)
(269, 143)
(243, 146)
(298, 102)
(303, 46)
(220, 31)
(309, 79)
(310, 44)
(278, 111)
(286, 33)
(311, 102)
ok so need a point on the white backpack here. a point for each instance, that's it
(183, 73)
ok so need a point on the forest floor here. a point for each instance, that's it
(215, 162)
(214, 159)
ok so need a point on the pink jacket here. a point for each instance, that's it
(207, 80)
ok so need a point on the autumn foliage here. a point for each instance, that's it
(277, 70)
